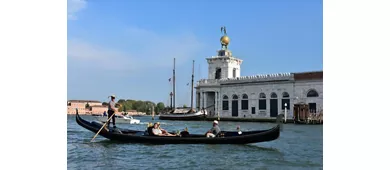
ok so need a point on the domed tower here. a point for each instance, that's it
(224, 65)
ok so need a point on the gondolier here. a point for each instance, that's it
(111, 110)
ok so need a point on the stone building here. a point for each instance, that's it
(229, 94)
(81, 106)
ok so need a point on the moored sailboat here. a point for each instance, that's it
(184, 114)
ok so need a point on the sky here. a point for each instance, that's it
(126, 47)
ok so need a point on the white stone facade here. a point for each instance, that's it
(210, 92)
(230, 66)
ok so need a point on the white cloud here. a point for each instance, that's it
(75, 6)
(91, 55)
(147, 49)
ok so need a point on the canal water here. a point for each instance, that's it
(299, 147)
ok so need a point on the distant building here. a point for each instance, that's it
(81, 106)
(95, 107)
(231, 95)
(98, 109)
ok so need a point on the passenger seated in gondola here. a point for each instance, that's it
(214, 131)
(158, 132)
(162, 130)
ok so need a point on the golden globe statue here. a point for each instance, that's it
(225, 40)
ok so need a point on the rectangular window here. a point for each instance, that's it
(244, 104)
(312, 107)
(253, 110)
(225, 105)
(262, 104)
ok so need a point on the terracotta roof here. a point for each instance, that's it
(314, 75)
(84, 101)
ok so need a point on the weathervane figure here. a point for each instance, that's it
(223, 28)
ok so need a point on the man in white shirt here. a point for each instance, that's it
(214, 131)
(111, 111)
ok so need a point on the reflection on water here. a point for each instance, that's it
(299, 147)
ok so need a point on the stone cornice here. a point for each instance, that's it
(243, 79)
(224, 59)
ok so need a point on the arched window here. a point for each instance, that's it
(312, 93)
(225, 103)
(235, 97)
(273, 95)
(234, 72)
(262, 96)
(262, 102)
(244, 102)
(285, 99)
(312, 106)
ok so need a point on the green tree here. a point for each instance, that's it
(160, 107)
(138, 105)
(87, 105)
(184, 105)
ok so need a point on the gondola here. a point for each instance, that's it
(225, 137)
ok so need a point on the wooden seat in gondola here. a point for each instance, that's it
(184, 134)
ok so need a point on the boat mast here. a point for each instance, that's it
(192, 86)
(174, 82)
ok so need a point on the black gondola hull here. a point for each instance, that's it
(133, 136)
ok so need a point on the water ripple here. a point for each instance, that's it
(299, 147)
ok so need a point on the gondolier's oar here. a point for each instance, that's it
(103, 126)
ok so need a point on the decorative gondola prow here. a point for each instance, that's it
(279, 121)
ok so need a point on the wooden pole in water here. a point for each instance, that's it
(152, 112)
(171, 94)
(285, 113)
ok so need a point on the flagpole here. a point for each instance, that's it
(192, 85)
(174, 84)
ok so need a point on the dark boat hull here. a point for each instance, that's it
(197, 117)
(183, 116)
(133, 136)
(300, 122)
